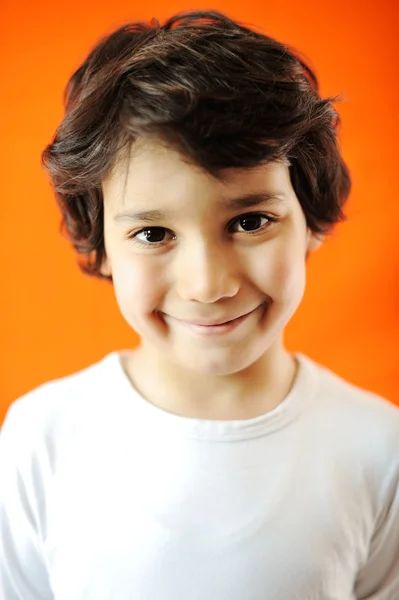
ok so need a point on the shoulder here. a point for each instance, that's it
(339, 395)
(346, 412)
(56, 405)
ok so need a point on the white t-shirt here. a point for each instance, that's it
(104, 496)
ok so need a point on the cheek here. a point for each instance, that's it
(283, 274)
(137, 285)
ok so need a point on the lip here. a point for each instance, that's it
(219, 322)
(219, 328)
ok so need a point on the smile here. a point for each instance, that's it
(218, 329)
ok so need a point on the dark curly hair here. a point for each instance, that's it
(220, 93)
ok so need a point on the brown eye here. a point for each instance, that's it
(252, 222)
(150, 236)
(154, 234)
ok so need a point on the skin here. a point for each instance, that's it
(208, 264)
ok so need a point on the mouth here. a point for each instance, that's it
(219, 323)
(218, 327)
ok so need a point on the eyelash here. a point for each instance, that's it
(133, 236)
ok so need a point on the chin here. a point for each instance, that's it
(220, 366)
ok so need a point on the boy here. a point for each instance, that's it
(208, 463)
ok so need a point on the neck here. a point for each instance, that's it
(243, 395)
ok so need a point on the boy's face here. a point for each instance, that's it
(203, 262)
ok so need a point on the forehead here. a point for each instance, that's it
(153, 170)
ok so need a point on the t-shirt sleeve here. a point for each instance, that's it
(378, 578)
(23, 573)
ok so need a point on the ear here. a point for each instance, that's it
(105, 268)
(314, 241)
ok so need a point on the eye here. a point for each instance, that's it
(151, 236)
(252, 222)
(156, 236)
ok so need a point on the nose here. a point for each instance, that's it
(207, 274)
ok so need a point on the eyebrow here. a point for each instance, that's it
(247, 201)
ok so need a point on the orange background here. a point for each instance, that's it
(54, 320)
